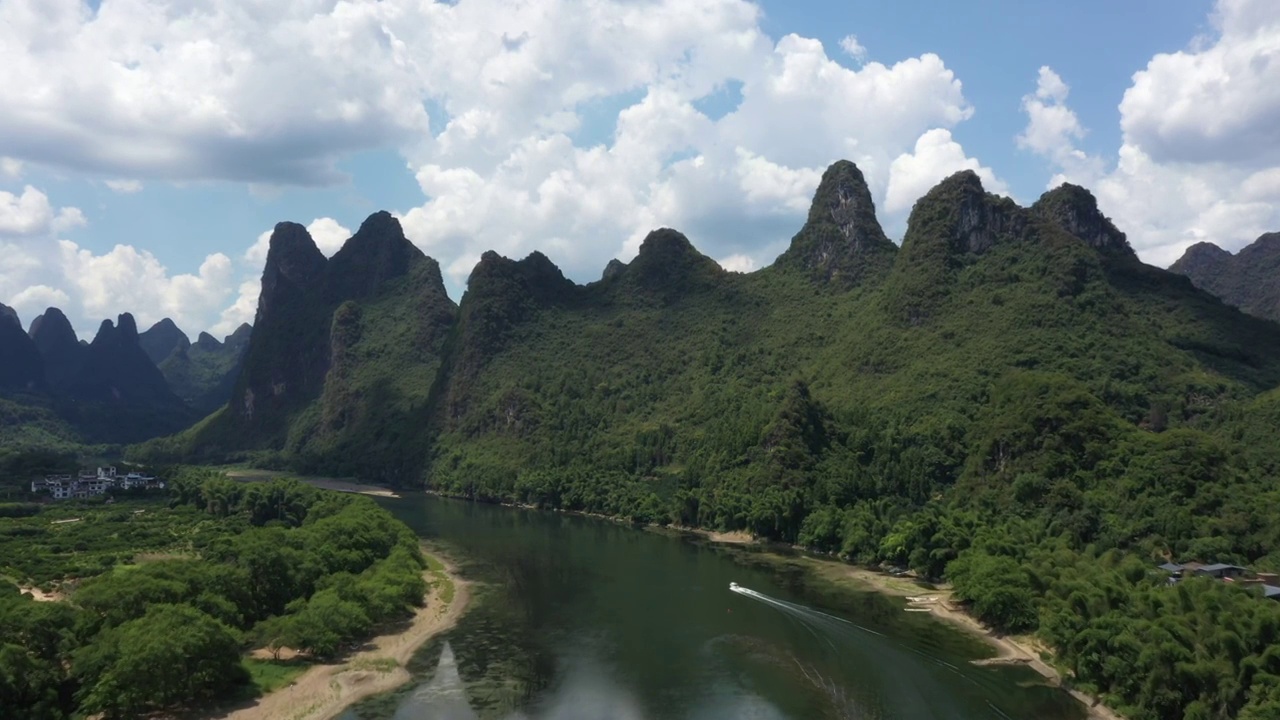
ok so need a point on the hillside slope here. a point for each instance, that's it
(339, 365)
(1010, 400)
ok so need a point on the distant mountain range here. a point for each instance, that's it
(1249, 279)
(124, 386)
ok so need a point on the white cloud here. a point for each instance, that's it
(851, 47)
(1216, 103)
(126, 279)
(1200, 155)
(10, 168)
(239, 312)
(125, 187)
(738, 184)
(41, 270)
(31, 214)
(1051, 126)
(33, 300)
(508, 148)
(935, 156)
(738, 263)
(328, 234)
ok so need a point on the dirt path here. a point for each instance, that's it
(324, 483)
(324, 691)
(41, 596)
(1011, 650)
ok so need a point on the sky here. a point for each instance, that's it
(148, 147)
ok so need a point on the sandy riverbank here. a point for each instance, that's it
(324, 691)
(324, 483)
(938, 601)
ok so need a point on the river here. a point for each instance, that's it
(582, 619)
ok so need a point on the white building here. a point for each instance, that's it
(61, 487)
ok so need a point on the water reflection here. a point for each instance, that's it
(575, 619)
(443, 698)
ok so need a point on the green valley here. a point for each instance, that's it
(1010, 401)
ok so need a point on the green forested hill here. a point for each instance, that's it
(1010, 400)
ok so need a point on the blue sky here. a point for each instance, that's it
(533, 133)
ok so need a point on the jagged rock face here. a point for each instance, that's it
(116, 370)
(286, 360)
(62, 352)
(615, 268)
(240, 337)
(295, 266)
(378, 252)
(980, 220)
(1075, 210)
(1201, 262)
(21, 367)
(162, 339)
(951, 227)
(204, 373)
(1249, 280)
(290, 351)
(207, 343)
(957, 218)
(842, 241)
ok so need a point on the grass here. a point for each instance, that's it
(271, 675)
(378, 665)
(440, 582)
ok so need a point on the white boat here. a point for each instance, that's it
(735, 586)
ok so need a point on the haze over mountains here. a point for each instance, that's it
(113, 389)
(1249, 279)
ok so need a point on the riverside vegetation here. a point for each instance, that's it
(1010, 401)
(167, 598)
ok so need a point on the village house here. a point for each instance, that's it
(1268, 582)
(62, 487)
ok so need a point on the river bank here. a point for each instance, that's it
(325, 690)
(939, 602)
(323, 483)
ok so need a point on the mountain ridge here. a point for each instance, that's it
(1248, 279)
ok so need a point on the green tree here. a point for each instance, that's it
(173, 656)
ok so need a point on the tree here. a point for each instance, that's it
(172, 656)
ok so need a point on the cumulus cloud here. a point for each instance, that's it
(1200, 153)
(41, 269)
(132, 280)
(738, 184)
(241, 311)
(31, 214)
(509, 148)
(1215, 103)
(36, 298)
(935, 156)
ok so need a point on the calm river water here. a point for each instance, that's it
(582, 619)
